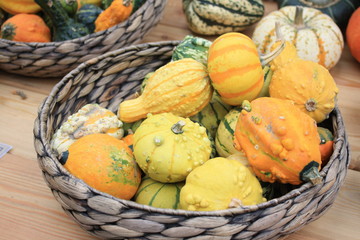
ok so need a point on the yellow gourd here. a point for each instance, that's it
(219, 184)
(19, 6)
(181, 87)
(167, 147)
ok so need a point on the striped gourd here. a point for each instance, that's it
(158, 194)
(192, 47)
(235, 68)
(224, 140)
(315, 35)
(210, 17)
(180, 87)
(212, 114)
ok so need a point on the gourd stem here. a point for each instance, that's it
(310, 105)
(177, 128)
(299, 20)
(311, 175)
(246, 105)
(267, 58)
(126, 3)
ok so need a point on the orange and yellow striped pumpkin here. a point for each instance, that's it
(181, 87)
(235, 68)
(315, 35)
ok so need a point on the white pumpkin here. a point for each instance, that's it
(315, 35)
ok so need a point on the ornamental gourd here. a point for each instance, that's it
(315, 35)
(340, 11)
(167, 147)
(89, 119)
(19, 6)
(211, 17)
(235, 67)
(117, 12)
(181, 87)
(326, 144)
(220, 184)
(280, 141)
(158, 194)
(353, 34)
(104, 163)
(25, 27)
(308, 84)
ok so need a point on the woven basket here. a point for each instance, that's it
(56, 59)
(115, 76)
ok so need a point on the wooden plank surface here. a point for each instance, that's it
(29, 211)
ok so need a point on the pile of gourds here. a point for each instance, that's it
(61, 20)
(264, 112)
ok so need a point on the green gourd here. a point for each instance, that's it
(64, 27)
(192, 47)
(87, 15)
(158, 194)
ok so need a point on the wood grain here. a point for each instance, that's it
(29, 211)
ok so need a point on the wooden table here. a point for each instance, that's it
(28, 210)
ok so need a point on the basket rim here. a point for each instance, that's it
(82, 39)
(42, 125)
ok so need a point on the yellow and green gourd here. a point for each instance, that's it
(157, 194)
(168, 147)
(219, 184)
(224, 139)
(181, 87)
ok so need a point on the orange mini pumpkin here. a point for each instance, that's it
(106, 164)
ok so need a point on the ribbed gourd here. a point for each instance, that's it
(210, 17)
(280, 141)
(220, 184)
(224, 140)
(314, 34)
(308, 84)
(89, 119)
(192, 47)
(235, 67)
(157, 194)
(180, 87)
(168, 147)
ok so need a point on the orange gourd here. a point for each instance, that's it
(104, 163)
(117, 12)
(326, 144)
(353, 34)
(25, 27)
(19, 6)
(281, 143)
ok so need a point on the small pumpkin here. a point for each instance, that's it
(181, 87)
(117, 12)
(19, 6)
(212, 17)
(219, 184)
(25, 27)
(104, 163)
(280, 141)
(353, 34)
(158, 194)
(315, 35)
(307, 83)
(326, 144)
(224, 139)
(89, 119)
(167, 147)
(340, 11)
(192, 47)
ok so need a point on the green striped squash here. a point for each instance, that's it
(224, 140)
(192, 47)
(211, 115)
(158, 194)
(212, 17)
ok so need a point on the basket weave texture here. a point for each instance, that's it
(115, 76)
(56, 59)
